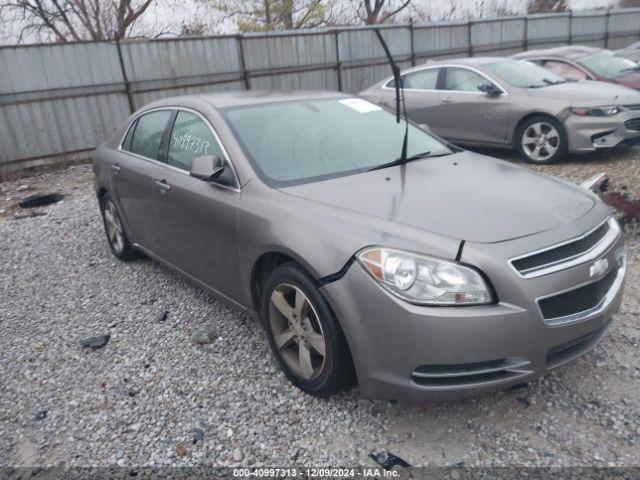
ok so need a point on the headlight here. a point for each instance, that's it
(608, 111)
(425, 280)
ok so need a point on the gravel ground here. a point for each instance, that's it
(153, 397)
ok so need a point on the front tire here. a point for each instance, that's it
(114, 229)
(541, 140)
(303, 333)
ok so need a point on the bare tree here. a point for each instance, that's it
(547, 6)
(629, 3)
(380, 11)
(73, 20)
(264, 15)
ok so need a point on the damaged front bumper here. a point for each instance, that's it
(586, 134)
(416, 353)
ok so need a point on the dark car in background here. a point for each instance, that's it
(575, 62)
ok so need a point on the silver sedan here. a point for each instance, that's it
(488, 101)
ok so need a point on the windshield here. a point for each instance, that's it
(523, 74)
(297, 142)
(607, 65)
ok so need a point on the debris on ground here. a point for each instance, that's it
(237, 455)
(204, 336)
(198, 435)
(40, 200)
(181, 449)
(41, 415)
(29, 215)
(22, 188)
(388, 460)
(162, 316)
(600, 185)
(96, 342)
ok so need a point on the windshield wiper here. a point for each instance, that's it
(402, 161)
(399, 94)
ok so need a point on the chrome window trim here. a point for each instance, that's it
(605, 242)
(420, 69)
(621, 265)
(172, 108)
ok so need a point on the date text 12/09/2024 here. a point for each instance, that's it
(315, 472)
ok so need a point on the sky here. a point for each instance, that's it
(168, 15)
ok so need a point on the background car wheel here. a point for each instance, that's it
(304, 335)
(116, 236)
(541, 140)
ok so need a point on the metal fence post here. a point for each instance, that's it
(469, 25)
(338, 64)
(570, 27)
(525, 43)
(413, 50)
(243, 66)
(125, 79)
(606, 28)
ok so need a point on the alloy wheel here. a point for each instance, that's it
(113, 227)
(297, 331)
(540, 141)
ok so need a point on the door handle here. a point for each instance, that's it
(115, 167)
(163, 185)
(447, 100)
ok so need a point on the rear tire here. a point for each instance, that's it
(114, 229)
(303, 333)
(541, 140)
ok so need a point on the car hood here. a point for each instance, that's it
(465, 196)
(587, 92)
(631, 80)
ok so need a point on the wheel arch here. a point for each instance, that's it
(266, 262)
(270, 260)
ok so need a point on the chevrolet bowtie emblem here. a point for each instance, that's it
(599, 267)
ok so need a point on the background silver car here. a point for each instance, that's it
(510, 103)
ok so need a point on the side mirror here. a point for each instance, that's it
(490, 89)
(425, 127)
(206, 167)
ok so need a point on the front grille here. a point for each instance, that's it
(578, 300)
(632, 124)
(458, 375)
(561, 253)
(632, 107)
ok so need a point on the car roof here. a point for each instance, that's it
(570, 52)
(470, 61)
(247, 97)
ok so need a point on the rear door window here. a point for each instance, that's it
(147, 134)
